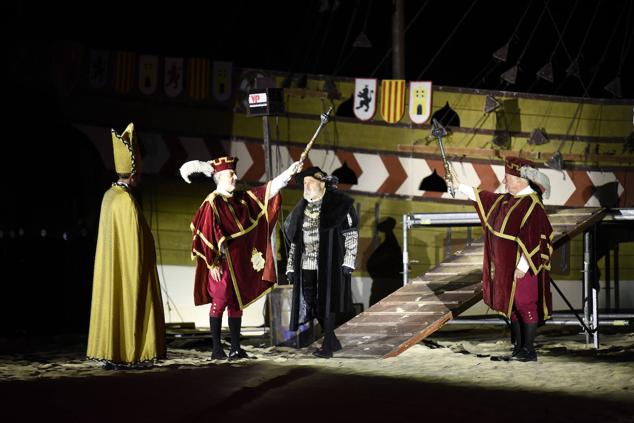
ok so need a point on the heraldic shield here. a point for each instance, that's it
(173, 84)
(222, 72)
(364, 98)
(392, 100)
(420, 101)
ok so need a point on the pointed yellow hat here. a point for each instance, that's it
(127, 157)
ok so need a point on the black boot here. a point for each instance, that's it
(527, 352)
(335, 345)
(330, 343)
(516, 337)
(217, 353)
(236, 353)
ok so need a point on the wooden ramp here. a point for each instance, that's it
(418, 309)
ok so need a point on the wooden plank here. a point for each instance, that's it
(396, 329)
(416, 310)
(427, 330)
(394, 319)
(364, 346)
(597, 216)
(457, 295)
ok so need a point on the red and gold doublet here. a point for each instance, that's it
(235, 233)
(514, 225)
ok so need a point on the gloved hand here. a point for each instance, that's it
(294, 168)
(195, 166)
(347, 270)
(291, 277)
(282, 180)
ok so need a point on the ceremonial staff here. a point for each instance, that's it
(438, 131)
(324, 121)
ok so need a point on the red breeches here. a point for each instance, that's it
(218, 307)
(526, 299)
(222, 294)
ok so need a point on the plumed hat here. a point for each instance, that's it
(528, 170)
(512, 165)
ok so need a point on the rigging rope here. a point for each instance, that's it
(347, 37)
(585, 38)
(625, 48)
(326, 32)
(563, 31)
(447, 39)
(389, 51)
(530, 37)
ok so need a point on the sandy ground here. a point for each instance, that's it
(449, 376)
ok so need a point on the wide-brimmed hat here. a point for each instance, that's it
(318, 174)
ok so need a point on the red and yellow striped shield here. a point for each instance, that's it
(392, 99)
(198, 79)
(125, 66)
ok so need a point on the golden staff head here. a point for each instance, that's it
(324, 120)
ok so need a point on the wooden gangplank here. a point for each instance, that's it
(420, 308)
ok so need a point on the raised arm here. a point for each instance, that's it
(281, 180)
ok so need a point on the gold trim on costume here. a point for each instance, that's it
(235, 235)
(528, 213)
(511, 299)
(508, 214)
(235, 217)
(237, 291)
(266, 200)
(195, 253)
(257, 200)
(535, 270)
(234, 281)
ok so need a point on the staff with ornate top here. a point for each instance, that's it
(324, 120)
(438, 131)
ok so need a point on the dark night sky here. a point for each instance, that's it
(448, 42)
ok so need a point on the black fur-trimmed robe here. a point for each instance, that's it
(337, 216)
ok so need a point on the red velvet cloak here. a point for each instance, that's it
(513, 225)
(239, 227)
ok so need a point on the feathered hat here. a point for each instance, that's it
(527, 169)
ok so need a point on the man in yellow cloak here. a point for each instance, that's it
(127, 325)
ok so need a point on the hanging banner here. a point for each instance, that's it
(198, 78)
(148, 74)
(98, 68)
(173, 76)
(392, 100)
(222, 81)
(124, 67)
(419, 101)
(364, 98)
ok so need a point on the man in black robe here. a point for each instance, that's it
(323, 236)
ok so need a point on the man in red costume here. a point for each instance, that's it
(517, 250)
(232, 245)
